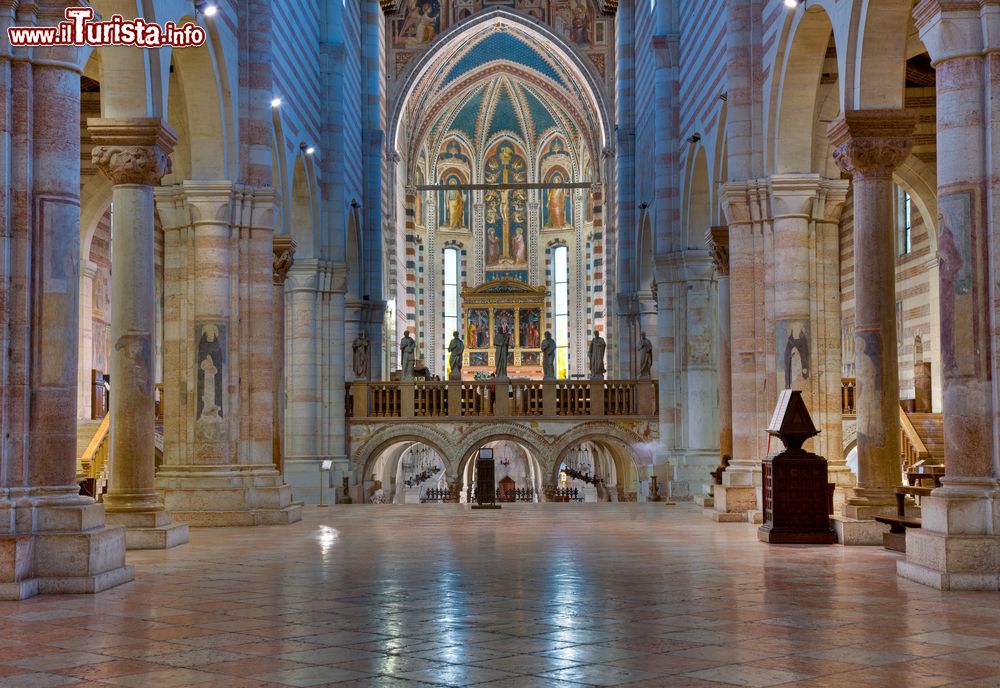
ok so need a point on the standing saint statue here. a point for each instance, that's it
(645, 356)
(503, 351)
(595, 356)
(407, 355)
(548, 357)
(361, 355)
(455, 350)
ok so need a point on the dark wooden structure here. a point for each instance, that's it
(796, 487)
(486, 497)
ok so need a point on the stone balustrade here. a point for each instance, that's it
(512, 399)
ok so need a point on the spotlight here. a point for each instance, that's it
(275, 102)
(791, 4)
(310, 150)
(695, 138)
(211, 10)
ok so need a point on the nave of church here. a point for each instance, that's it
(702, 295)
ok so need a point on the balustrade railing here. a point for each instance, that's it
(519, 494)
(490, 399)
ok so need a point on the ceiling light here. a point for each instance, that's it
(275, 102)
(310, 150)
(791, 4)
(211, 10)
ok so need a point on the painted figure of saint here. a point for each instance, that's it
(520, 247)
(557, 207)
(492, 248)
(456, 209)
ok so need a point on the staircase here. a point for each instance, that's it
(930, 429)
(92, 455)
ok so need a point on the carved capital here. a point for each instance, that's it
(132, 164)
(411, 190)
(132, 150)
(283, 247)
(871, 144)
(717, 239)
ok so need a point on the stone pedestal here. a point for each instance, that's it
(132, 153)
(870, 144)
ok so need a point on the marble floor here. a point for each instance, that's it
(533, 595)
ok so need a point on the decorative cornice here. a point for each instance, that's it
(717, 239)
(871, 144)
(132, 150)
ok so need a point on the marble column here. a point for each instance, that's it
(717, 239)
(869, 145)
(958, 546)
(88, 271)
(284, 256)
(52, 539)
(133, 154)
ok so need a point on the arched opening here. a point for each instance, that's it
(302, 218)
(406, 473)
(517, 473)
(496, 133)
(599, 468)
(699, 199)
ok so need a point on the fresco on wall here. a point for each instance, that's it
(453, 206)
(579, 22)
(506, 213)
(479, 328)
(962, 255)
(418, 23)
(211, 372)
(558, 209)
(792, 337)
(529, 322)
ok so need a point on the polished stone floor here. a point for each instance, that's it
(537, 595)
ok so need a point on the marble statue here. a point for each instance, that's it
(503, 352)
(361, 356)
(407, 355)
(548, 357)
(645, 356)
(455, 350)
(595, 356)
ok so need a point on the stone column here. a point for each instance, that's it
(284, 255)
(717, 239)
(870, 144)
(133, 154)
(750, 246)
(52, 539)
(218, 379)
(958, 545)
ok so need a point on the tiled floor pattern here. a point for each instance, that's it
(537, 595)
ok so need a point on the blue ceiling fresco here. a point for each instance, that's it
(502, 46)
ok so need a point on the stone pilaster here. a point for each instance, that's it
(315, 427)
(283, 247)
(218, 379)
(717, 239)
(133, 154)
(52, 539)
(869, 145)
(958, 545)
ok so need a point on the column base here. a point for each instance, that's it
(211, 496)
(858, 532)
(149, 529)
(68, 549)
(845, 481)
(734, 499)
(958, 547)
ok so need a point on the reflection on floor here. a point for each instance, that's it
(533, 595)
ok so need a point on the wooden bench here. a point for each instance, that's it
(895, 539)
